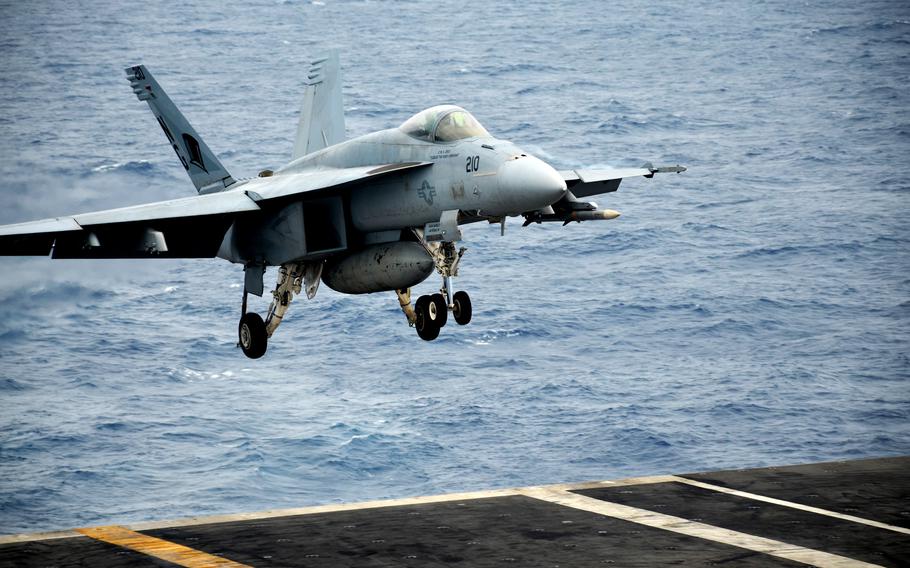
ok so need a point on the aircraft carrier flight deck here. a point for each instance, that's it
(851, 513)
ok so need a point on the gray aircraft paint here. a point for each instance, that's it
(386, 180)
(389, 266)
(374, 213)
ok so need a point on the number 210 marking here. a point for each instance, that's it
(472, 164)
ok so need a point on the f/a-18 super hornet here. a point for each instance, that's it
(376, 213)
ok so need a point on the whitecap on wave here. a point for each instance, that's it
(132, 166)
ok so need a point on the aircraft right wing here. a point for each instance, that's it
(583, 183)
(190, 227)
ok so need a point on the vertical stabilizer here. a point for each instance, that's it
(204, 169)
(322, 114)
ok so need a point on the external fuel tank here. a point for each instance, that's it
(378, 268)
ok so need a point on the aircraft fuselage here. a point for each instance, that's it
(486, 175)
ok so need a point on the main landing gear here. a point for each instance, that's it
(430, 312)
(253, 338)
(254, 333)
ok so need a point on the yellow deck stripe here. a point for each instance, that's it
(696, 529)
(790, 504)
(165, 550)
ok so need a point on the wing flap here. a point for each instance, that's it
(55, 225)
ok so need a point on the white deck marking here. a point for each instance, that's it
(234, 517)
(790, 504)
(694, 529)
(335, 508)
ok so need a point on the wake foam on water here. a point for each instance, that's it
(139, 167)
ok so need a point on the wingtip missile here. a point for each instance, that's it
(598, 214)
(566, 218)
(595, 215)
(677, 169)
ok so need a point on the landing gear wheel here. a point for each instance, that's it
(439, 309)
(253, 338)
(461, 308)
(426, 327)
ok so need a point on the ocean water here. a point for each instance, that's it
(751, 311)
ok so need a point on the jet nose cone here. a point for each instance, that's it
(529, 183)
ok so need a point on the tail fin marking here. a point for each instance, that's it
(204, 169)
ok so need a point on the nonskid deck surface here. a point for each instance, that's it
(854, 513)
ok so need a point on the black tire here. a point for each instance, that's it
(253, 338)
(426, 328)
(461, 309)
(439, 311)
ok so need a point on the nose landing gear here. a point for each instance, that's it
(461, 308)
(431, 313)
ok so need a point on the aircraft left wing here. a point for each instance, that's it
(190, 227)
(583, 183)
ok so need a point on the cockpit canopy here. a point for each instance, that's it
(444, 123)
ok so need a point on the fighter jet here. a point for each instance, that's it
(376, 213)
